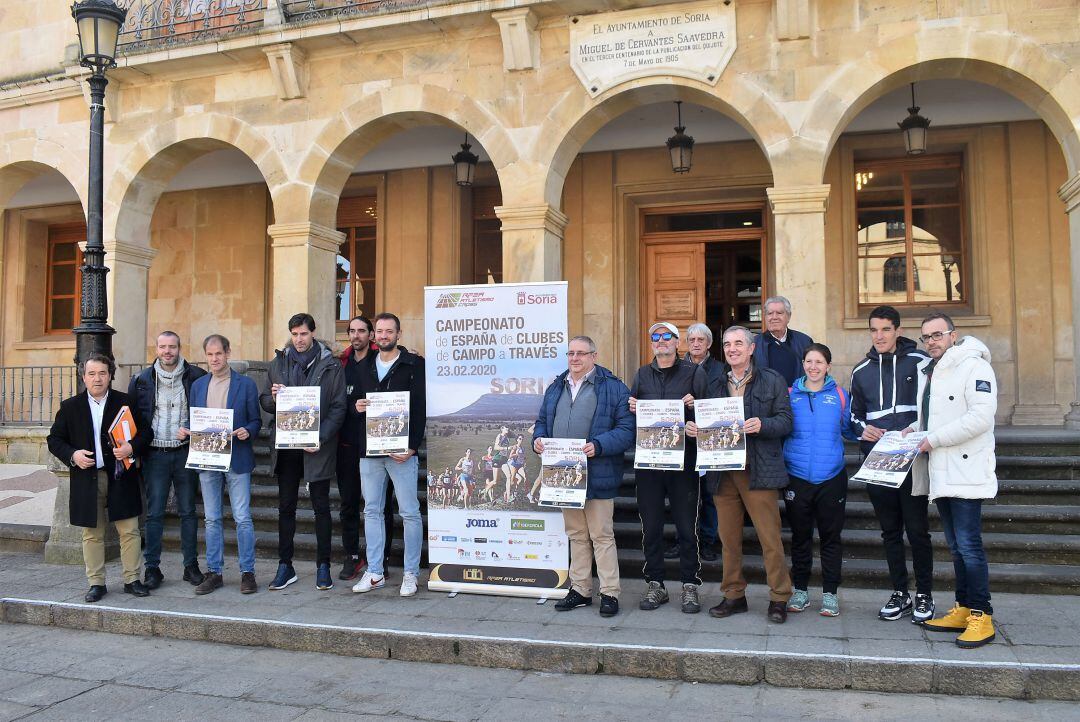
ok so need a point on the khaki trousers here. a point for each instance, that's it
(733, 498)
(592, 536)
(93, 541)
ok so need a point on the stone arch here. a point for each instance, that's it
(345, 139)
(23, 159)
(142, 176)
(573, 121)
(1009, 62)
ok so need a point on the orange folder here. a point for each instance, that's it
(123, 430)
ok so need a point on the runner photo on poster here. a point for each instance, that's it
(387, 423)
(889, 462)
(564, 474)
(210, 443)
(721, 440)
(661, 438)
(297, 418)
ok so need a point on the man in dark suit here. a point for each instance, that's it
(101, 488)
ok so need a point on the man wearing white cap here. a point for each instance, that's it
(669, 377)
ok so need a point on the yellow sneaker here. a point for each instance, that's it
(955, 620)
(980, 630)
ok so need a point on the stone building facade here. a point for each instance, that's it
(241, 162)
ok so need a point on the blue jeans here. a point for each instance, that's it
(212, 483)
(162, 468)
(373, 473)
(961, 520)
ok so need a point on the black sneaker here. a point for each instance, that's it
(899, 605)
(573, 600)
(352, 568)
(923, 609)
(193, 574)
(153, 578)
(672, 552)
(285, 576)
(609, 606)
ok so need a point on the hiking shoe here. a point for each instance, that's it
(980, 630)
(899, 604)
(830, 605)
(211, 581)
(368, 582)
(800, 600)
(609, 606)
(923, 609)
(408, 584)
(572, 600)
(285, 576)
(690, 603)
(655, 595)
(323, 580)
(247, 583)
(193, 574)
(955, 620)
(153, 578)
(352, 568)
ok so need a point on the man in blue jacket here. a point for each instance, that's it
(223, 388)
(589, 402)
(780, 348)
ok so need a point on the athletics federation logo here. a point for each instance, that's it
(462, 300)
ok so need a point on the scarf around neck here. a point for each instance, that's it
(300, 363)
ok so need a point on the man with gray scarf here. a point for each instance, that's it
(162, 393)
(306, 362)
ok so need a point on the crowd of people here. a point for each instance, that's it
(796, 417)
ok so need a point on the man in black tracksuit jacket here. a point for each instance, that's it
(884, 397)
(669, 377)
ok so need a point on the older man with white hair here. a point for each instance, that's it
(780, 348)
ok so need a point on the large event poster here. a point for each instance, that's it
(565, 475)
(387, 422)
(721, 440)
(492, 350)
(297, 418)
(661, 440)
(889, 462)
(210, 444)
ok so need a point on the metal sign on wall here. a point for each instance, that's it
(690, 40)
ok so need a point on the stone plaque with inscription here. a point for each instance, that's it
(691, 40)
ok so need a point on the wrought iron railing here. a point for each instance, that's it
(30, 395)
(301, 11)
(154, 24)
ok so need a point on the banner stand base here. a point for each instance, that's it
(497, 589)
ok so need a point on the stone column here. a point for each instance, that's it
(304, 276)
(1070, 194)
(532, 239)
(127, 287)
(799, 237)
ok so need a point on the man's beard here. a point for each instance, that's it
(388, 346)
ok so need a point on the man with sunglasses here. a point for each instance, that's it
(957, 403)
(669, 377)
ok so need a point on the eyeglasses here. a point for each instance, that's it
(935, 336)
(665, 336)
(579, 354)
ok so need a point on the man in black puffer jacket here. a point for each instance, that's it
(767, 410)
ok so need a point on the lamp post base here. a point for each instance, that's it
(91, 339)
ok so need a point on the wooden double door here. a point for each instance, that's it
(717, 282)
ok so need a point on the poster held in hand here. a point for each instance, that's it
(210, 443)
(297, 418)
(564, 474)
(387, 423)
(661, 441)
(721, 438)
(889, 462)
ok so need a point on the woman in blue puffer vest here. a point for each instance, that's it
(814, 454)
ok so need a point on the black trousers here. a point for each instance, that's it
(290, 468)
(821, 505)
(349, 512)
(899, 512)
(681, 490)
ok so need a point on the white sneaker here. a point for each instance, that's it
(408, 584)
(368, 582)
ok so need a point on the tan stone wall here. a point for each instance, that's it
(33, 36)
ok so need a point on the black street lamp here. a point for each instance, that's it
(914, 127)
(465, 164)
(680, 145)
(98, 22)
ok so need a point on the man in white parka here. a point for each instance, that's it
(957, 403)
